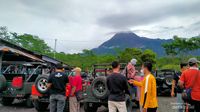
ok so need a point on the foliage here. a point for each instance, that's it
(31, 42)
(182, 46)
(141, 56)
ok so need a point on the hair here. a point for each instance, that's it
(59, 66)
(191, 64)
(115, 64)
(183, 65)
(148, 65)
(77, 69)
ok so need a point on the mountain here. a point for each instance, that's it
(124, 40)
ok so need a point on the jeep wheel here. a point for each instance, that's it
(90, 107)
(6, 101)
(99, 88)
(41, 84)
(2, 83)
(168, 80)
(40, 106)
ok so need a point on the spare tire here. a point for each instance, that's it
(99, 88)
(2, 83)
(168, 80)
(41, 84)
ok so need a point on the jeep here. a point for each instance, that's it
(164, 80)
(96, 94)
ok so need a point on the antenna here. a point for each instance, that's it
(55, 45)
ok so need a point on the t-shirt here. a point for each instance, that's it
(188, 77)
(176, 78)
(130, 71)
(58, 81)
(77, 82)
(118, 87)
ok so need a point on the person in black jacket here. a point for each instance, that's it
(118, 86)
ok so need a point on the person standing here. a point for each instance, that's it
(180, 102)
(148, 97)
(130, 70)
(118, 87)
(57, 86)
(76, 86)
(190, 78)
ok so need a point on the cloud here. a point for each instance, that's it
(149, 15)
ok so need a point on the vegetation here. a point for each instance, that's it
(182, 46)
(88, 58)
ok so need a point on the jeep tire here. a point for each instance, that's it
(99, 88)
(2, 83)
(168, 80)
(40, 106)
(41, 84)
(7, 101)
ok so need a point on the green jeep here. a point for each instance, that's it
(96, 94)
(16, 80)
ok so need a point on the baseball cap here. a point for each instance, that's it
(193, 60)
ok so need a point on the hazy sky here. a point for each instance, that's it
(85, 24)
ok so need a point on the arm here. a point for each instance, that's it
(49, 85)
(73, 90)
(136, 83)
(173, 86)
(181, 84)
(153, 87)
(181, 81)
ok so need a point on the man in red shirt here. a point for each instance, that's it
(191, 77)
(76, 85)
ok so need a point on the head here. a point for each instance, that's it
(147, 67)
(77, 71)
(59, 67)
(116, 66)
(133, 61)
(193, 62)
(183, 66)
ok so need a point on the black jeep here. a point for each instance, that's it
(164, 80)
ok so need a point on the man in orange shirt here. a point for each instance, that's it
(191, 77)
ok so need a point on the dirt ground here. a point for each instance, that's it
(166, 104)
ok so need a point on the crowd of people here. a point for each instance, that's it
(186, 85)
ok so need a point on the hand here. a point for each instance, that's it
(144, 110)
(131, 81)
(172, 94)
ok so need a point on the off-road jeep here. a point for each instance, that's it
(164, 80)
(96, 93)
(16, 81)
